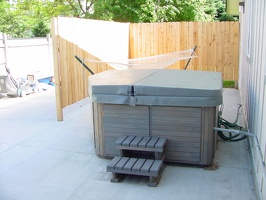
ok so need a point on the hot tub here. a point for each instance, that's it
(181, 106)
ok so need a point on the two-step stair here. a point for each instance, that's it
(136, 158)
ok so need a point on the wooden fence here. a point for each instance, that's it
(217, 49)
(86, 39)
(217, 44)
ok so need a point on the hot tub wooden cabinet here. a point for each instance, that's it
(180, 106)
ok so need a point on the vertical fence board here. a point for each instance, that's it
(152, 39)
(218, 49)
(209, 47)
(165, 34)
(57, 76)
(195, 43)
(214, 48)
(183, 38)
(200, 44)
(222, 47)
(205, 46)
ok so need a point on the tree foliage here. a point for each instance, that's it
(135, 11)
(10, 22)
(31, 18)
(158, 10)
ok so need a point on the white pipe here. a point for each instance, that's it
(235, 131)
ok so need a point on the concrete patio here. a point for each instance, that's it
(42, 159)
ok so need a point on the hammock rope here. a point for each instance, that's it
(151, 62)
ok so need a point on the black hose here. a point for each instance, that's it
(233, 137)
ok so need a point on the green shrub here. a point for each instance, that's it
(228, 84)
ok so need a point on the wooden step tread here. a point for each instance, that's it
(135, 166)
(141, 143)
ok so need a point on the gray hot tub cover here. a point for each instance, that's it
(157, 87)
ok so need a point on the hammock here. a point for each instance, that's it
(152, 62)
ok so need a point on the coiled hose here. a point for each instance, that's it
(230, 136)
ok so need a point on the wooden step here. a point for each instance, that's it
(136, 166)
(140, 143)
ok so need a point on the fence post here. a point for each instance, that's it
(5, 50)
(58, 96)
(49, 42)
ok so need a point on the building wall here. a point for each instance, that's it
(252, 82)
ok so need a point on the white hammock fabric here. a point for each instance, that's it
(152, 62)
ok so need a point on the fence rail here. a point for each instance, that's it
(217, 49)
